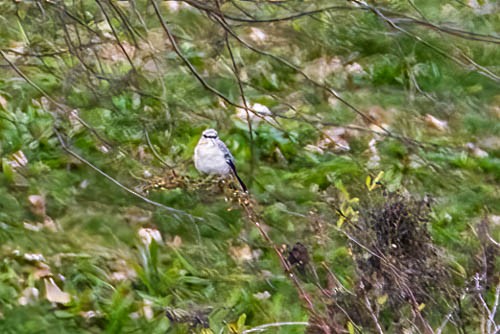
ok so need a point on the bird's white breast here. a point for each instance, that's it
(209, 159)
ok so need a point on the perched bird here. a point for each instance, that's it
(211, 156)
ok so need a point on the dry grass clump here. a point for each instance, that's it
(399, 270)
(399, 259)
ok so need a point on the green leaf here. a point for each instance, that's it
(241, 321)
(7, 169)
(340, 221)
(381, 300)
(350, 327)
(64, 314)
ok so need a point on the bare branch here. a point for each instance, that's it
(184, 59)
(373, 315)
(393, 23)
(243, 98)
(155, 153)
(116, 182)
(115, 34)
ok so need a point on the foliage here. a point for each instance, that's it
(342, 117)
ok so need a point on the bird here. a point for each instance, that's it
(211, 156)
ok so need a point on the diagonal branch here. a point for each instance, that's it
(48, 97)
(393, 23)
(185, 60)
(285, 62)
(190, 66)
(115, 34)
(116, 182)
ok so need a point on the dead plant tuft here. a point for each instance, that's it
(399, 259)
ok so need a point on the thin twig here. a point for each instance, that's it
(116, 182)
(373, 315)
(391, 22)
(291, 16)
(49, 98)
(193, 70)
(285, 62)
(185, 60)
(253, 217)
(128, 26)
(264, 327)
(444, 323)
(494, 308)
(243, 98)
(155, 153)
(115, 34)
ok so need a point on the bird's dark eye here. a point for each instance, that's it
(207, 136)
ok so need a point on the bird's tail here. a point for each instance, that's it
(243, 186)
(233, 168)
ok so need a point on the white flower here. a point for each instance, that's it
(147, 235)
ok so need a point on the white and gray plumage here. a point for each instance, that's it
(211, 156)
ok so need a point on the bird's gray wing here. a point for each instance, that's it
(230, 161)
(227, 154)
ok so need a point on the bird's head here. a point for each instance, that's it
(209, 134)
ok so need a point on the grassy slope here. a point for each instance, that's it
(97, 222)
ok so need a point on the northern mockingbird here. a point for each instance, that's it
(211, 156)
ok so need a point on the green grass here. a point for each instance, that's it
(216, 259)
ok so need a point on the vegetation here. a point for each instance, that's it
(367, 132)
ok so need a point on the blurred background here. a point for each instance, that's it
(367, 132)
